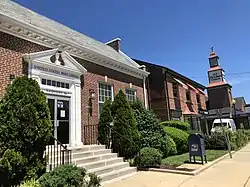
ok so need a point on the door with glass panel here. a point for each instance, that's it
(59, 115)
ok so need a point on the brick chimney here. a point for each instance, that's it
(115, 44)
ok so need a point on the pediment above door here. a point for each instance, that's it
(55, 60)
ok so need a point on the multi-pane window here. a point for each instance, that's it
(59, 84)
(188, 97)
(175, 89)
(131, 94)
(105, 93)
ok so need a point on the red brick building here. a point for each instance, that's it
(174, 96)
(77, 73)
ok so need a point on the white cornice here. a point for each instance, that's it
(41, 37)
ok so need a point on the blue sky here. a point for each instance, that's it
(176, 34)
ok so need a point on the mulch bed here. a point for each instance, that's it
(175, 168)
(168, 167)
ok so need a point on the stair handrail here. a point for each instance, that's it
(59, 156)
(131, 141)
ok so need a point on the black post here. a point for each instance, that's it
(234, 113)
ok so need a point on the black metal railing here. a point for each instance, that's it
(90, 134)
(57, 154)
(132, 156)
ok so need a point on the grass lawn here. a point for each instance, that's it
(180, 159)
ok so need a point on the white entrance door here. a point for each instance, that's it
(60, 118)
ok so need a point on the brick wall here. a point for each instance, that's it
(180, 102)
(12, 49)
(91, 82)
(203, 101)
(219, 97)
(171, 96)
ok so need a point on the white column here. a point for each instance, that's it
(78, 123)
(72, 136)
(145, 93)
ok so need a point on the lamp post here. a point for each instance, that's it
(234, 109)
(89, 107)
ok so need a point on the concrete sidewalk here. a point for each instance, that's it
(227, 173)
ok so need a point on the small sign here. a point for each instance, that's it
(247, 109)
(215, 76)
(62, 114)
(194, 147)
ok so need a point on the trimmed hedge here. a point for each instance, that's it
(149, 157)
(171, 146)
(177, 124)
(180, 138)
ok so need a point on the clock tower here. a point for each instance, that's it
(219, 91)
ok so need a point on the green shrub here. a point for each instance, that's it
(25, 128)
(180, 138)
(217, 140)
(12, 168)
(177, 124)
(104, 124)
(171, 146)
(151, 131)
(125, 136)
(247, 133)
(69, 175)
(149, 157)
(31, 183)
(137, 105)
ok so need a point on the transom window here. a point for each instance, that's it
(59, 84)
(131, 94)
(105, 93)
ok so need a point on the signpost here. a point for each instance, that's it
(219, 114)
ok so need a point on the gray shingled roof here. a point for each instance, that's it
(24, 15)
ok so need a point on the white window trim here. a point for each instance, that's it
(130, 89)
(112, 94)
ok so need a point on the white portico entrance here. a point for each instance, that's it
(58, 75)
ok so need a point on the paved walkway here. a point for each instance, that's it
(227, 173)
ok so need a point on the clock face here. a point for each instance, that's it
(213, 62)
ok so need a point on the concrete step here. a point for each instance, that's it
(117, 173)
(109, 168)
(101, 163)
(90, 153)
(85, 160)
(86, 148)
(76, 149)
(84, 151)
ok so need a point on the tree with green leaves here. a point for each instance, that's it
(151, 131)
(125, 136)
(25, 130)
(104, 127)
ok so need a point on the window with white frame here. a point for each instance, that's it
(131, 94)
(105, 93)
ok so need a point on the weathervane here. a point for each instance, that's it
(212, 49)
